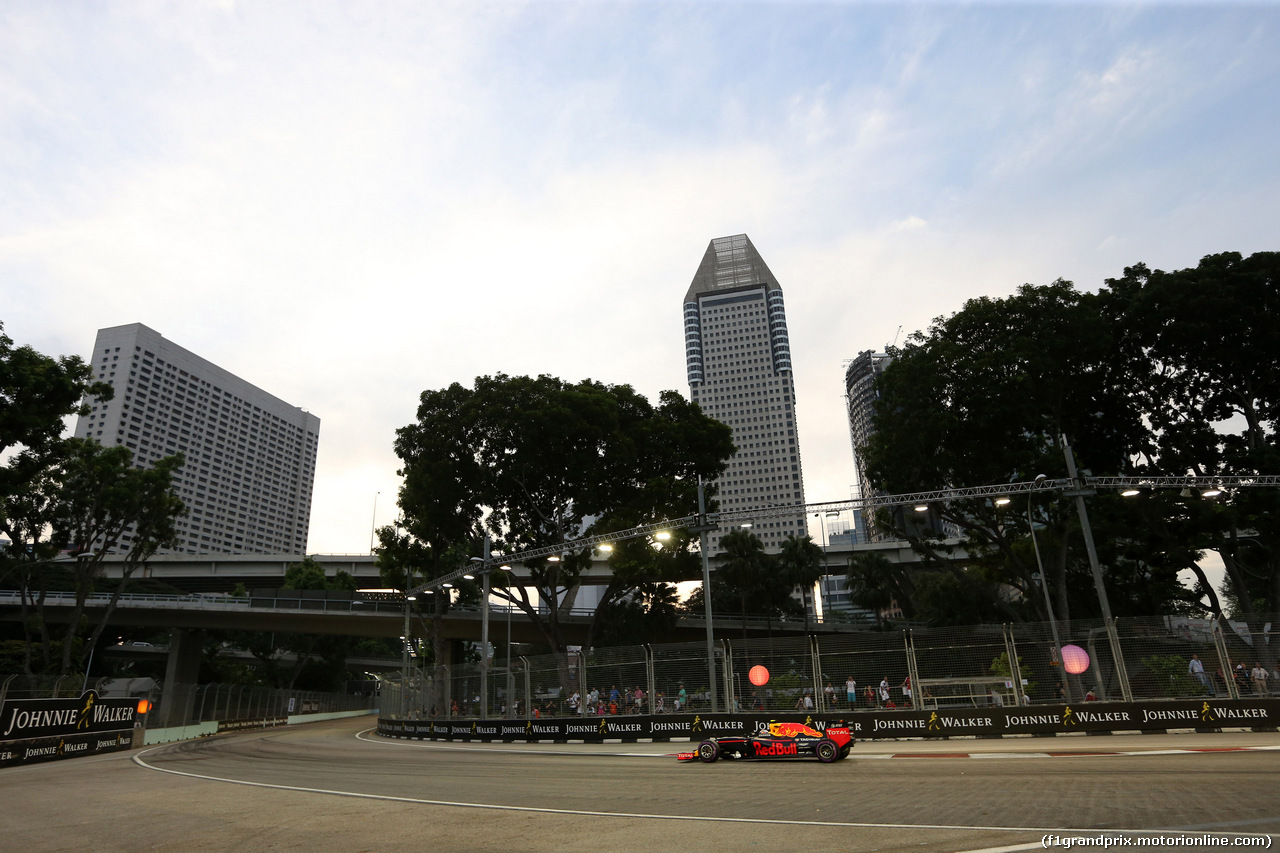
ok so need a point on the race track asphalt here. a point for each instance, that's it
(338, 787)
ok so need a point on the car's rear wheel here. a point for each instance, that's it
(844, 750)
(708, 751)
(827, 751)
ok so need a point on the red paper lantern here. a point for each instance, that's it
(1075, 660)
(759, 675)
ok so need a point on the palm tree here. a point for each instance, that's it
(875, 583)
(801, 563)
(742, 567)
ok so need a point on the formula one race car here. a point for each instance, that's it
(778, 740)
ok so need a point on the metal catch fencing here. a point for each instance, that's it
(1163, 657)
(191, 704)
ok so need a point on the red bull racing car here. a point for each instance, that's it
(778, 740)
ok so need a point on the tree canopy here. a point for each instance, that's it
(540, 462)
(1156, 374)
(72, 495)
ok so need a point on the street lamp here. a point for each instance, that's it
(822, 520)
(486, 566)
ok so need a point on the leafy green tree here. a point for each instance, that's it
(1210, 334)
(639, 603)
(319, 660)
(406, 560)
(36, 393)
(947, 598)
(1157, 374)
(83, 498)
(1169, 675)
(648, 616)
(100, 497)
(539, 462)
(984, 397)
(59, 494)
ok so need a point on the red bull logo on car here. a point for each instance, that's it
(792, 730)
(763, 749)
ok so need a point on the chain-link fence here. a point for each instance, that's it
(1167, 657)
(190, 704)
(682, 678)
(32, 687)
(857, 664)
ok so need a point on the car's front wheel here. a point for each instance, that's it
(708, 751)
(827, 751)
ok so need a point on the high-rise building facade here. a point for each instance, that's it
(739, 368)
(250, 457)
(862, 397)
(860, 401)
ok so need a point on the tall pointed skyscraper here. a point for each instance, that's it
(739, 363)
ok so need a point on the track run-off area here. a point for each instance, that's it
(338, 786)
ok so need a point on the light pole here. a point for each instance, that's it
(511, 681)
(404, 646)
(486, 566)
(1078, 492)
(702, 529)
(1044, 586)
(484, 629)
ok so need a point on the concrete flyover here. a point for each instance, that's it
(334, 786)
(221, 572)
(355, 617)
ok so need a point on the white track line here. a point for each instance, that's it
(865, 756)
(138, 759)
(422, 744)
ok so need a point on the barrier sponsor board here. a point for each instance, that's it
(68, 746)
(1067, 718)
(992, 721)
(596, 729)
(49, 729)
(255, 723)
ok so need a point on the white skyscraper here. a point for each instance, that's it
(861, 398)
(250, 457)
(739, 367)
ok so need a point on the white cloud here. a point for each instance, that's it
(349, 204)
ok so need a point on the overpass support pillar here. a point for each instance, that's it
(181, 675)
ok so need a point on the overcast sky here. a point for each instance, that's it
(348, 203)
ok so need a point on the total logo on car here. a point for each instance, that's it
(778, 740)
